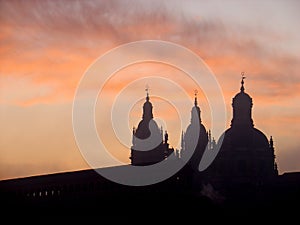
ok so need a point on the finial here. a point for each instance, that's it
(196, 92)
(271, 142)
(166, 137)
(147, 91)
(242, 82)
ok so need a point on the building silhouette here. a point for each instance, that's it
(246, 155)
(149, 137)
(242, 180)
(194, 138)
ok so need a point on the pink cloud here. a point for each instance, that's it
(46, 46)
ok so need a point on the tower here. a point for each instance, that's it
(245, 153)
(195, 138)
(148, 146)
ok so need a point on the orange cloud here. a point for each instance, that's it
(46, 46)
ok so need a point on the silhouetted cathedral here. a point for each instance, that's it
(244, 173)
(245, 153)
(148, 146)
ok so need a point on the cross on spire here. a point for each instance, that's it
(242, 82)
(196, 92)
(147, 92)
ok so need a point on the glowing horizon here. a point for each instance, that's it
(47, 46)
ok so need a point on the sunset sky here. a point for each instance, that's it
(47, 46)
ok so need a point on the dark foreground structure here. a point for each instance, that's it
(85, 192)
(242, 182)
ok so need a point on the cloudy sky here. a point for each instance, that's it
(46, 47)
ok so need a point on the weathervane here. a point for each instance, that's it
(243, 75)
(147, 91)
(242, 82)
(196, 92)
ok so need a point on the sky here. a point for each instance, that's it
(47, 46)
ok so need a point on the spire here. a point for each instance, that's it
(133, 136)
(147, 91)
(272, 146)
(196, 102)
(195, 117)
(271, 142)
(242, 82)
(182, 141)
(166, 137)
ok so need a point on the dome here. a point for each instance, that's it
(244, 152)
(143, 130)
(192, 130)
(242, 109)
(195, 139)
(195, 132)
(242, 133)
(148, 146)
(243, 97)
(242, 100)
(147, 124)
(260, 139)
(251, 138)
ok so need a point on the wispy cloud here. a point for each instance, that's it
(53, 42)
(46, 46)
